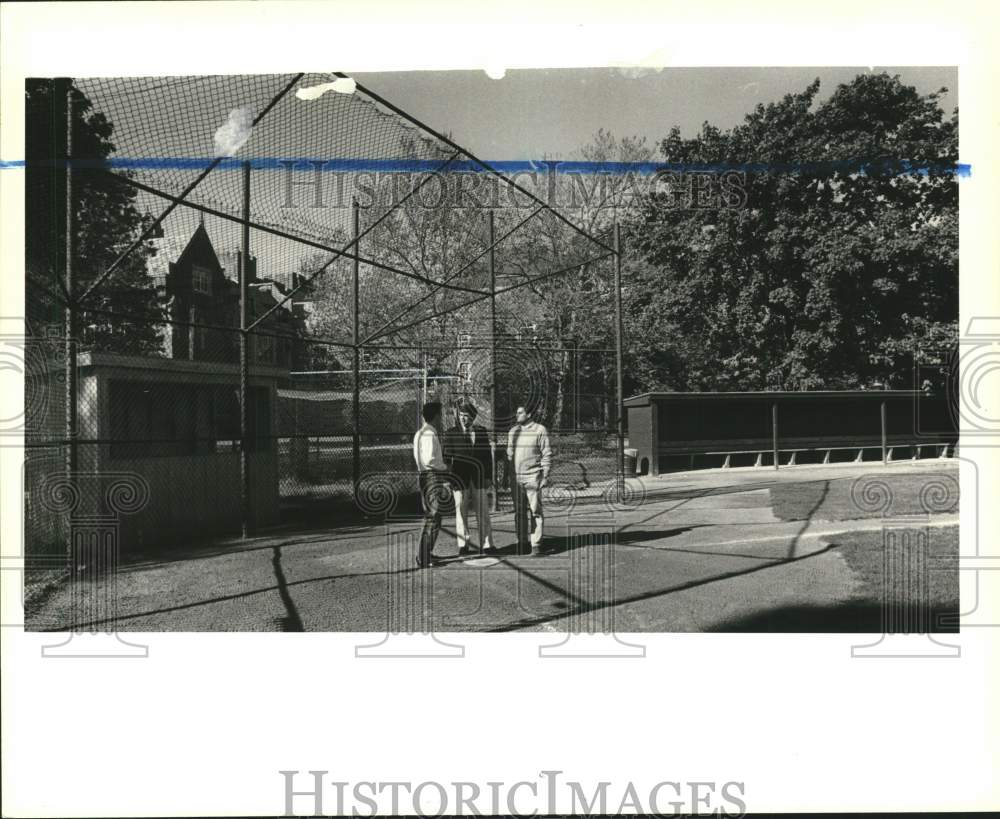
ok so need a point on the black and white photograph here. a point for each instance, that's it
(336, 364)
(596, 361)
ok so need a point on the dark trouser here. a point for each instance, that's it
(522, 521)
(432, 487)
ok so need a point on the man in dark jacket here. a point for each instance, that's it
(470, 458)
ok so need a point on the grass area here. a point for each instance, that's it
(583, 471)
(46, 562)
(326, 473)
(920, 590)
(39, 583)
(870, 496)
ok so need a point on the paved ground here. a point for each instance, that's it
(702, 551)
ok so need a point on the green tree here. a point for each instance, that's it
(107, 220)
(573, 311)
(839, 271)
(430, 237)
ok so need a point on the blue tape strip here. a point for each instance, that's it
(859, 166)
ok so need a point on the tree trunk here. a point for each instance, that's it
(560, 390)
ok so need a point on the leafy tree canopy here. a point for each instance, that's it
(841, 269)
(106, 218)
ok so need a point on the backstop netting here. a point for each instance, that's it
(384, 266)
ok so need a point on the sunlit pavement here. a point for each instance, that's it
(689, 552)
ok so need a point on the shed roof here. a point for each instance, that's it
(795, 395)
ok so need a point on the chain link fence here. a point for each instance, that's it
(252, 339)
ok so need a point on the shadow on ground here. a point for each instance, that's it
(851, 617)
(562, 544)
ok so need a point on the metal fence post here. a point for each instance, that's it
(356, 398)
(774, 432)
(245, 358)
(493, 359)
(423, 381)
(69, 316)
(885, 448)
(620, 410)
(576, 385)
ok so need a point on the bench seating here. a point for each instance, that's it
(792, 448)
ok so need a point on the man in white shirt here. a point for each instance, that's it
(432, 475)
(531, 457)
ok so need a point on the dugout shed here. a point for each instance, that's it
(686, 430)
(174, 425)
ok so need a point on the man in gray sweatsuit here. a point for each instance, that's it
(531, 457)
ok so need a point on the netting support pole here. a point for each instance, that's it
(65, 86)
(245, 358)
(885, 444)
(620, 395)
(493, 358)
(356, 313)
(774, 433)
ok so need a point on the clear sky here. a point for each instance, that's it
(531, 113)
